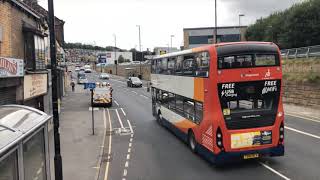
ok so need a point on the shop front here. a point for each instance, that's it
(35, 89)
(11, 77)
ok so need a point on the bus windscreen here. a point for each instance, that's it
(249, 104)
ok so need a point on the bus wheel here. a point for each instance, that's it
(192, 142)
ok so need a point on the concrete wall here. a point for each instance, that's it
(127, 70)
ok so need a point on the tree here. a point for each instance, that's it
(297, 26)
(121, 59)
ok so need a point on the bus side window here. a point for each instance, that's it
(158, 95)
(189, 65)
(158, 68)
(171, 66)
(202, 60)
(171, 101)
(179, 69)
(189, 111)
(164, 66)
(179, 105)
(199, 112)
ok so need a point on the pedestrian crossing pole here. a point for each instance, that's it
(55, 106)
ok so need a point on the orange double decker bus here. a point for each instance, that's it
(224, 100)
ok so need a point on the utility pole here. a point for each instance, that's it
(53, 56)
(216, 23)
(140, 49)
(171, 41)
(115, 53)
(240, 15)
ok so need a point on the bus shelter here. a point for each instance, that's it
(24, 146)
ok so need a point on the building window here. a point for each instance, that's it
(34, 157)
(9, 167)
(40, 54)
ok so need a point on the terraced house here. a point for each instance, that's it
(24, 54)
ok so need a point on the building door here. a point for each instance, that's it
(8, 95)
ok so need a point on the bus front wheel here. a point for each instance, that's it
(192, 142)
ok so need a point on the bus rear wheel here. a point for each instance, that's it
(192, 142)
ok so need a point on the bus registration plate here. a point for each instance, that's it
(250, 156)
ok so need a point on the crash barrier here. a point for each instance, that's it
(302, 52)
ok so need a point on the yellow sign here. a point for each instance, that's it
(226, 112)
(243, 140)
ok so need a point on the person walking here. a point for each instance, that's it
(72, 85)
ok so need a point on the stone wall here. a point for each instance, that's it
(302, 94)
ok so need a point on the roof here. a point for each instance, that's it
(23, 7)
(220, 27)
(18, 122)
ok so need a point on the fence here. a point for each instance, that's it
(302, 52)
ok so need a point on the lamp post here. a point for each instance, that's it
(240, 15)
(171, 36)
(115, 53)
(55, 105)
(216, 23)
(140, 48)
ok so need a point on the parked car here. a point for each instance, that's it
(77, 69)
(88, 70)
(82, 68)
(104, 76)
(134, 82)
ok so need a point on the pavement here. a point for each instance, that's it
(130, 145)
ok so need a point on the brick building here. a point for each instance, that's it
(24, 56)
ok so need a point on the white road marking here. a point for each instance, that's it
(131, 135)
(131, 139)
(144, 96)
(134, 92)
(119, 119)
(274, 171)
(116, 103)
(123, 112)
(130, 144)
(125, 172)
(109, 148)
(301, 132)
(128, 156)
(127, 164)
(129, 150)
(302, 117)
(130, 127)
(123, 178)
(102, 146)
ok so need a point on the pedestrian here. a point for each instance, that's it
(72, 85)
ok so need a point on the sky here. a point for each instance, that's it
(96, 22)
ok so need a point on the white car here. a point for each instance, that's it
(88, 70)
(82, 80)
(77, 69)
(104, 76)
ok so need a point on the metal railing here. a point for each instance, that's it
(302, 52)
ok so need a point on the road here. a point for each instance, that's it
(152, 152)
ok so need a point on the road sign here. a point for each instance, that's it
(90, 86)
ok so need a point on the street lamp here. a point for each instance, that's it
(140, 46)
(55, 106)
(171, 36)
(115, 53)
(216, 23)
(240, 15)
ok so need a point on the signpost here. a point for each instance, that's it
(91, 86)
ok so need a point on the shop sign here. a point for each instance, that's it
(10, 67)
(35, 85)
